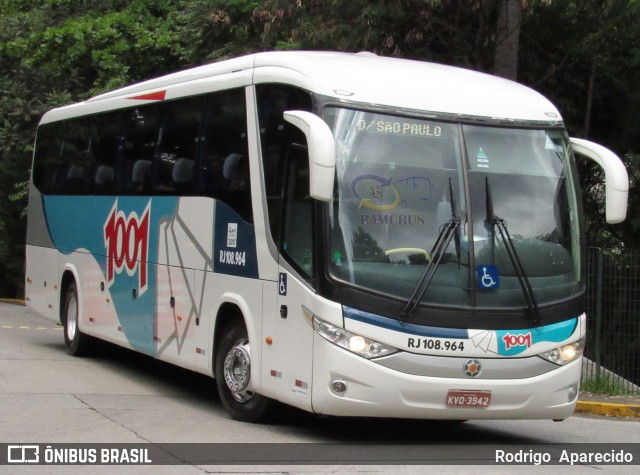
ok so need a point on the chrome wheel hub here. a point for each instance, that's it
(237, 371)
(72, 318)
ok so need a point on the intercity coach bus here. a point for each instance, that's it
(345, 233)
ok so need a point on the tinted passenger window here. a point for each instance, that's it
(47, 158)
(136, 149)
(104, 143)
(226, 153)
(64, 157)
(175, 160)
(195, 145)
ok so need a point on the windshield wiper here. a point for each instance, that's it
(496, 222)
(447, 232)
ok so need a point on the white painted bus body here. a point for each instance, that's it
(291, 362)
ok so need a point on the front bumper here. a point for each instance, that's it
(373, 390)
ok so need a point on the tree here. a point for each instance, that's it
(505, 62)
(584, 56)
(54, 52)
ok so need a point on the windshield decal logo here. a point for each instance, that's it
(482, 159)
(381, 194)
(376, 193)
(488, 276)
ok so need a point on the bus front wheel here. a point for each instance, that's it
(233, 376)
(74, 340)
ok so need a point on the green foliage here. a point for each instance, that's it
(604, 386)
(55, 52)
(210, 30)
(93, 50)
(20, 195)
(441, 30)
(583, 57)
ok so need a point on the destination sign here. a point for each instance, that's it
(401, 127)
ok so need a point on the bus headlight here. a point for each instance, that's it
(357, 344)
(564, 354)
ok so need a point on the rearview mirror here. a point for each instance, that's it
(615, 177)
(322, 152)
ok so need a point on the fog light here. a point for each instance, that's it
(573, 393)
(339, 387)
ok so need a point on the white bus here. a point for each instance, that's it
(344, 233)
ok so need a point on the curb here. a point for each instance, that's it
(608, 409)
(13, 301)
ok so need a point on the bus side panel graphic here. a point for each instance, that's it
(234, 244)
(118, 233)
(146, 251)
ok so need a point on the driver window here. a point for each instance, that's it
(297, 223)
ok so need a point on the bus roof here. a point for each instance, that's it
(360, 77)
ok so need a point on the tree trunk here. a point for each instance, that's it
(505, 61)
(587, 114)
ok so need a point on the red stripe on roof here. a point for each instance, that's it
(154, 96)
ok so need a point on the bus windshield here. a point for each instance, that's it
(400, 183)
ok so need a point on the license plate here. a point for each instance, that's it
(461, 398)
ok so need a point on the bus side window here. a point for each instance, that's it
(101, 154)
(141, 175)
(74, 183)
(138, 138)
(74, 137)
(276, 136)
(225, 152)
(174, 166)
(183, 175)
(104, 180)
(47, 159)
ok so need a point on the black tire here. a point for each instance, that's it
(75, 341)
(233, 376)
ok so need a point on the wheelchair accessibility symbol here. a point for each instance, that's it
(282, 284)
(488, 277)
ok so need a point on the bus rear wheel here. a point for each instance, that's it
(233, 376)
(74, 340)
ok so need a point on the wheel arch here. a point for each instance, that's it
(227, 313)
(243, 401)
(232, 308)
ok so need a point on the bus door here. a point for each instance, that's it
(296, 296)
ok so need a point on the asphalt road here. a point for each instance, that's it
(117, 396)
